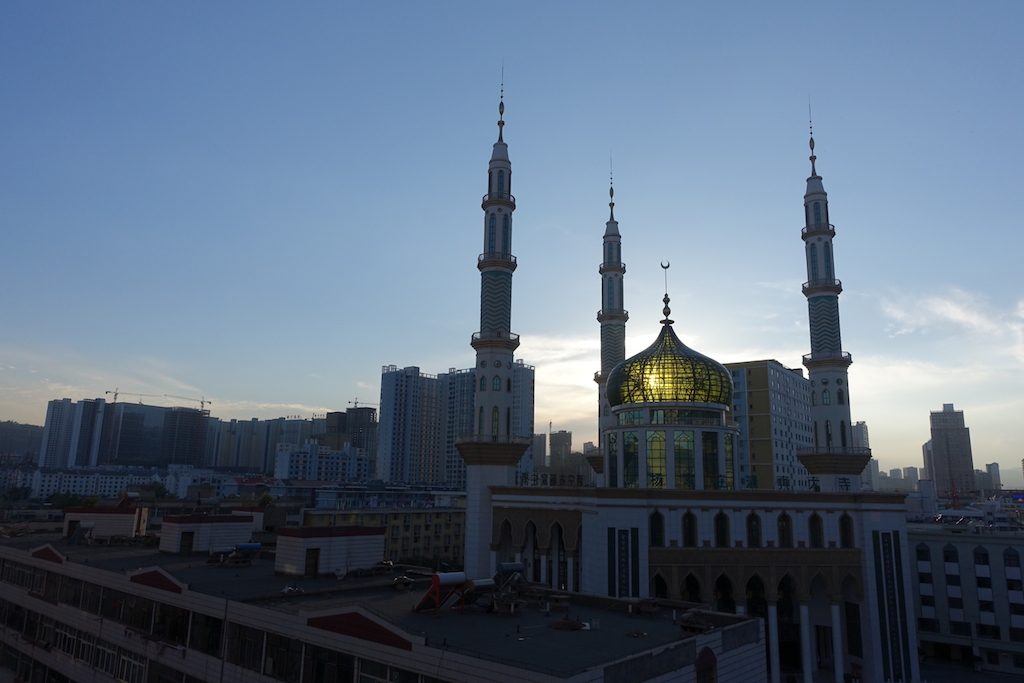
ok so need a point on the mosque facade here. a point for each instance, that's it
(825, 568)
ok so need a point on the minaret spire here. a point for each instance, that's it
(810, 125)
(612, 317)
(494, 448)
(832, 460)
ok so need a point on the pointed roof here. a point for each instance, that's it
(814, 185)
(611, 228)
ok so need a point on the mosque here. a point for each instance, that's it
(825, 568)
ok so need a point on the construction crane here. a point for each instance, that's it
(117, 392)
(356, 403)
(201, 401)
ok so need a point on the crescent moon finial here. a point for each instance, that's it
(665, 264)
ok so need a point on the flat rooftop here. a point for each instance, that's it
(529, 638)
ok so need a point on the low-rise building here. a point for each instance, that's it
(186, 534)
(429, 536)
(317, 551)
(103, 522)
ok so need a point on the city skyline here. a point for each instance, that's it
(264, 208)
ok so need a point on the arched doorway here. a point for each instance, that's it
(659, 587)
(788, 613)
(724, 601)
(691, 589)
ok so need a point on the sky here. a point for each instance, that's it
(264, 203)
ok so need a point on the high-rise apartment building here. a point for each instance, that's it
(423, 416)
(560, 446)
(993, 471)
(952, 464)
(771, 404)
(912, 475)
(60, 414)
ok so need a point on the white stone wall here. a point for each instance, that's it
(338, 553)
(210, 537)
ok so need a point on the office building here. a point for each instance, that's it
(952, 464)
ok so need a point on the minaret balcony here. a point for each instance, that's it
(498, 198)
(496, 260)
(819, 230)
(814, 287)
(840, 358)
(491, 340)
(611, 268)
(612, 315)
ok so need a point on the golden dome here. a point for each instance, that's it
(668, 371)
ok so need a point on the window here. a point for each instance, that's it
(494, 421)
(929, 625)
(840, 397)
(1014, 585)
(816, 531)
(721, 530)
(785, 528)
(986, 606)
(1011, 558)
(826, 398)
(813, 257)
(753, 530)
(817, 213)
(506, 235)
(501, 182)
(657, 530)
(950, 555)
(706, 669)
(491, 235)
(827, 251)
(955, 602)
(846, 531)
(496, 383)
(245, 646)
(981, 556)
(683, 454)
(630, 460)
(689, 530)
(928, 600)
(984, 581)
(483, 383)
(656, 460)
(987, 631)
(952, 579)
(960, 628)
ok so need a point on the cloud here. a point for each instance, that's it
(954, 310)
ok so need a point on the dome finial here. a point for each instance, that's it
(611, 189)
(666, 311)
(501, 104)
(810, 125)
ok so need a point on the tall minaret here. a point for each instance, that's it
(833, 459)
(491, 453)
(612, 318)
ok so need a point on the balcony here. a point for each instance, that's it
(835, 450)
(812, 287)
(498, 198)
(505, 340)
(838, 358)
(819, 230)
(620, 315)
(619, 267)
(496, 260)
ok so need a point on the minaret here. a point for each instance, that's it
(833, 459)
(612, 318)
(492, 451)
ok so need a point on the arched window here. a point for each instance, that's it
(483, 383)
(846, 531)
(923, 553)
(496, 383)
(842, 432)
(480, 422)
(722, 530)
(1011, 558)
(827, 251)
(508, 385)
(826, 397)
(817, 212)
(691, 589)
(706, 668)
(501, 182)
(494, 422)
(981, 555)
(813, 257)
(785, 528)
(828, 433)
(490, 182)
(690, 530)
(506, 235)
(816, 529)
(492, 237)
(753, 530)
(840, 397)
(657, 530)
(949, 554)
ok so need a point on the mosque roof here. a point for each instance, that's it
(668, 371)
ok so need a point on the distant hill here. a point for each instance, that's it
(20, 439)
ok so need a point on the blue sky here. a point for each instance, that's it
(263, 203)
